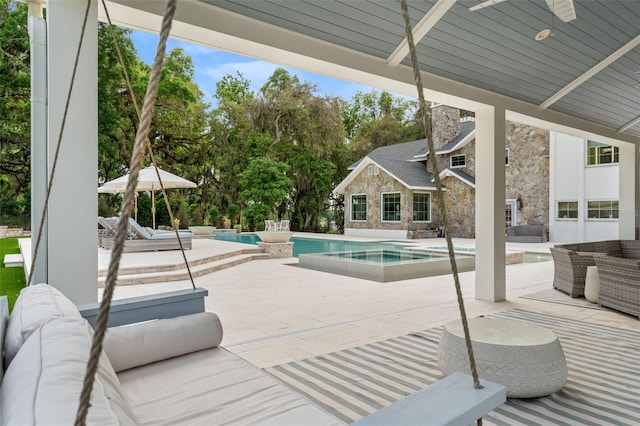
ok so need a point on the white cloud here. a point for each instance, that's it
(257, 72)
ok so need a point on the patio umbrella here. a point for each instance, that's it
(147, 181)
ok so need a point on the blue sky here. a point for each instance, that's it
(211, 65)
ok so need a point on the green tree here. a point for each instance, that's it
(265, 183)
(376, 119)
(15, 134)
(304, 130)
(232, 141)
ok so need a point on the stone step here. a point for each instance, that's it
(180, 265)
(13, 261)
(182, 274)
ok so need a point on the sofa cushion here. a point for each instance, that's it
(36, 304)
(43, 383)
(216, 387)
(139, 344)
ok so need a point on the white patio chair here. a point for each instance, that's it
(270, 225)
(283, 225)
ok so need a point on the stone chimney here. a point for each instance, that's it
(445, 124)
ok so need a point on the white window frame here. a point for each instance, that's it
(382, 194)
(599, 219)
(413, 208)
(615, 151)
(514, 212)
(457, 156)
(366, 211)
(567, 218)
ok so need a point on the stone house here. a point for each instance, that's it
(390, 193)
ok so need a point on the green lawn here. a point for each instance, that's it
(11, 279)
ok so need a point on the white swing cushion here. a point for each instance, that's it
(43, 383)
(35, 305)
(140, 344)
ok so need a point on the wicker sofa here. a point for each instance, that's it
(571, 261)
(619, 283)
(526, 234)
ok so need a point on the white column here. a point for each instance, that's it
(39, 163)
(627, 188)
(73, 206)
(490, 202)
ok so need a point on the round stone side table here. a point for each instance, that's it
(525, 358)
(592, 284)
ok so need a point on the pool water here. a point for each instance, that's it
(384, 256)
(303, 245)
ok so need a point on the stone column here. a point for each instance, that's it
(445, 123)
(73, 206)
(490, 188)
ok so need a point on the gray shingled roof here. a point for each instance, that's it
(397, 160)
(400, 151)
(464, 175)
(465, 128)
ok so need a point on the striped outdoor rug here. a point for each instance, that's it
(556, 296)
(602, 388)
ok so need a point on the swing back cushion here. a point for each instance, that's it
(44, 381)
(36, 304)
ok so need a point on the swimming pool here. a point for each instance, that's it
(384, 265)
(303, 245)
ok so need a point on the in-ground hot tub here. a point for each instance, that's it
(384, 265)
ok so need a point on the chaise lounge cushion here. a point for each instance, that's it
(36, 304)
(43, 383)
(140, 344)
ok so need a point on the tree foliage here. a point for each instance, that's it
(15, 135)
(277, 152)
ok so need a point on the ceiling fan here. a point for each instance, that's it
(563, 9)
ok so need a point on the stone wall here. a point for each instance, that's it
(461, 208)
(374, 185)
(444, 161)
(528, 172)
(445, 124)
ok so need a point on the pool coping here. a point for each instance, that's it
(384, 272)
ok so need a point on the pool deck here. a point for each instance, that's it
(274, 312)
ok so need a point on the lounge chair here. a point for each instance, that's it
(150, 240)
(107, 227)
(619, 283)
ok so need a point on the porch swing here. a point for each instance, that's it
(456, 399)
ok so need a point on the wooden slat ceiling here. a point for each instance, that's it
(492, 48)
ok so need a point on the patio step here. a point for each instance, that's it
(13, 261)
(200, 267)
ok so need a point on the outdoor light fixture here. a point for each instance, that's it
(519, 202)
(543, 34)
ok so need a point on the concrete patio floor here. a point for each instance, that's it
(274, 312)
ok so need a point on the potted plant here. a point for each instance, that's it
(226, 222)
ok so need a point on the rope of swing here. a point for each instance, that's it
(425, 114)
(154, 160)
(127, 207)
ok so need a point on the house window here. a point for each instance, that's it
(599, 153)
(602, 209)
(458, 160)
(391, 207)
(506, 157)
(373, 170)
(567, 209)
(359, 207)
(370, 170)
(509, 216)
(421, 207)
